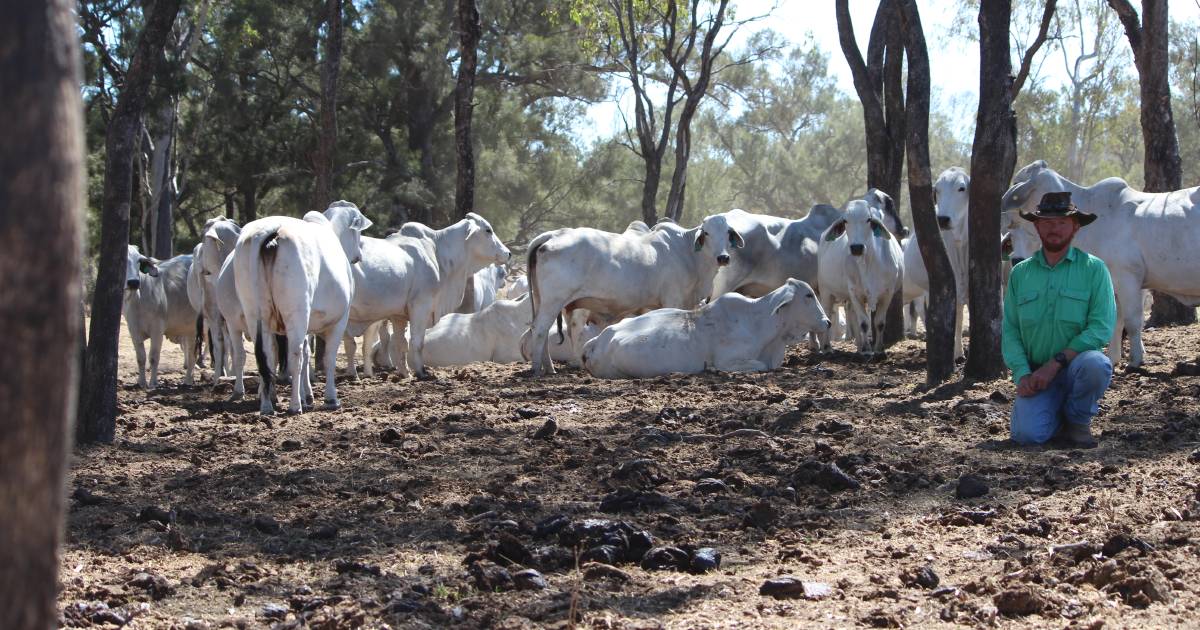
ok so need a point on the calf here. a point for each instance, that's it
(732, 333)
(156, 304)
(293, 277)
(493, 334)
(860, 263)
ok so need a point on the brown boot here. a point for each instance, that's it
(1078, 435)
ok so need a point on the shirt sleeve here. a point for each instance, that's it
(1102, 312)
(1010, 340)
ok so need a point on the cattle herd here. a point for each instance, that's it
(730, 294)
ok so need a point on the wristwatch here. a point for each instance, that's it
(1062, 359)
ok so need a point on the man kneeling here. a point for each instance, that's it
(1059, 311)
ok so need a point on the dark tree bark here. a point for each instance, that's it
(98, 392)
(249, 208)
(469, 33)
(41, 192)
(992, 155)
(878, 81)
(1163, 168)
(327, 136)
(694, 91)
(939, 338)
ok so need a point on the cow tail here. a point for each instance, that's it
(260, 355)
(531, 263)
(561, 338)
(199, 337)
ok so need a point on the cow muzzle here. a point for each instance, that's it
(856, 249)
(133, 284)
(943, 222)
(723, 259)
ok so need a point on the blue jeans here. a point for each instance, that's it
(1073, 396)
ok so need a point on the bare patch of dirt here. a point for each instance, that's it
(432, 503)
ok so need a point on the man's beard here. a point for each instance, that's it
(1054, 249)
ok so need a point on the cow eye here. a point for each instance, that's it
(808, 295)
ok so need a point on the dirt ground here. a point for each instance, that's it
(423, 504)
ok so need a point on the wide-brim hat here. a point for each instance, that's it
(1058, 205)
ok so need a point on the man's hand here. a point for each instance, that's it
(1044, 375)
(1025, 386)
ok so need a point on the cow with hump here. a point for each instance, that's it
(1147, 240)
(293, 277)
(732, 334)
(951, 193)
(616, 274)
(156, 305)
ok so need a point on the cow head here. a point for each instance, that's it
(348, 224)
(135, 265)
(716, 237)
(951, 193)
(885, 207)
(482, 242)
(1029, 184)
(220, 237)
(861, 225)
(796, 306)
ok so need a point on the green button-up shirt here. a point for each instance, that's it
(1048, 309)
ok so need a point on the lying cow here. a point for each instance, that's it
(733, 333)
(1148, 241)
(493, 334)
(293, 277)
(156, 305)
(617, 274)
(860, 264)
(951, 193)
(414, 281)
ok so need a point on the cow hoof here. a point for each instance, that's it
(426, 376)
(295, 412)
(331, 405)
(266, 412)
(236, 397)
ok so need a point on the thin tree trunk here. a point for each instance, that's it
(992, 154)
(41, 190)
(327, 137)
(650, 192)
(160, 235)
(98, 399)
(939, 338)
(464, 92)
(249, 209)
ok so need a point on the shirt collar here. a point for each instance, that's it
(1040, 256)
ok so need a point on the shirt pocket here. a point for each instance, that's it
(1073, 306)
(1029, 308)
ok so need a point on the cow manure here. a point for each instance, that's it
(525, 413)
(835, 427)
(529, 580)
(787, 587)
(607, 554)
(1121, 541)
(324, 532)
(547, 430)
(267, 525)
(923, 576)
(709, 485)
(761, 515)
(490, 577)
(343, 567)
(156, 585)
(551, 525)
(659, 558)
(1020, 601)
(970, 487)
(824, 475)
(705, 559)
(274, 611)
(83, 496)
(628, 500)
(290, 445)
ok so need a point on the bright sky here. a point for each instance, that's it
(954, 62)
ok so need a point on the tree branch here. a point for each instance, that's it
(1027, 59)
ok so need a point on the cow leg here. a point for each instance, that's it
(266, 362)
(351, 348)
(189, 359)
(540, 352)
(958, 330)
(861, 324)
(230, 339)
(1129, 314)
(155, 353)
(416, 343)
(295, 354)
(398, 348)
(238, 352)
(306, 393)
(139, 351)
(331, 337)
(216, 345)
(824, 338)
(370, 338)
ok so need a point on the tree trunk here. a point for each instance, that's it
(249, 209)
(159, 235)
(992, 155)
(98, 399)
(464, 92)
(939, 322)
(1163, 168)
(650, 192)
(327, 137)
(42, 172)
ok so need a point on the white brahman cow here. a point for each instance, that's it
(776, 249)
(617, 274)
(483, 288)
(860, 264)
(733, 333)
(493, 334)
(951, 193)
(156, 305)
(293, 277)
(216, 245)
(1147, 240)
(414, 278)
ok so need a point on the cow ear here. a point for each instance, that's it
(699, 241)
(880, 231)
(148, 266)
(472, 228)
(361, 222)
(782, 303)
(736, 239)
(837, 229)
